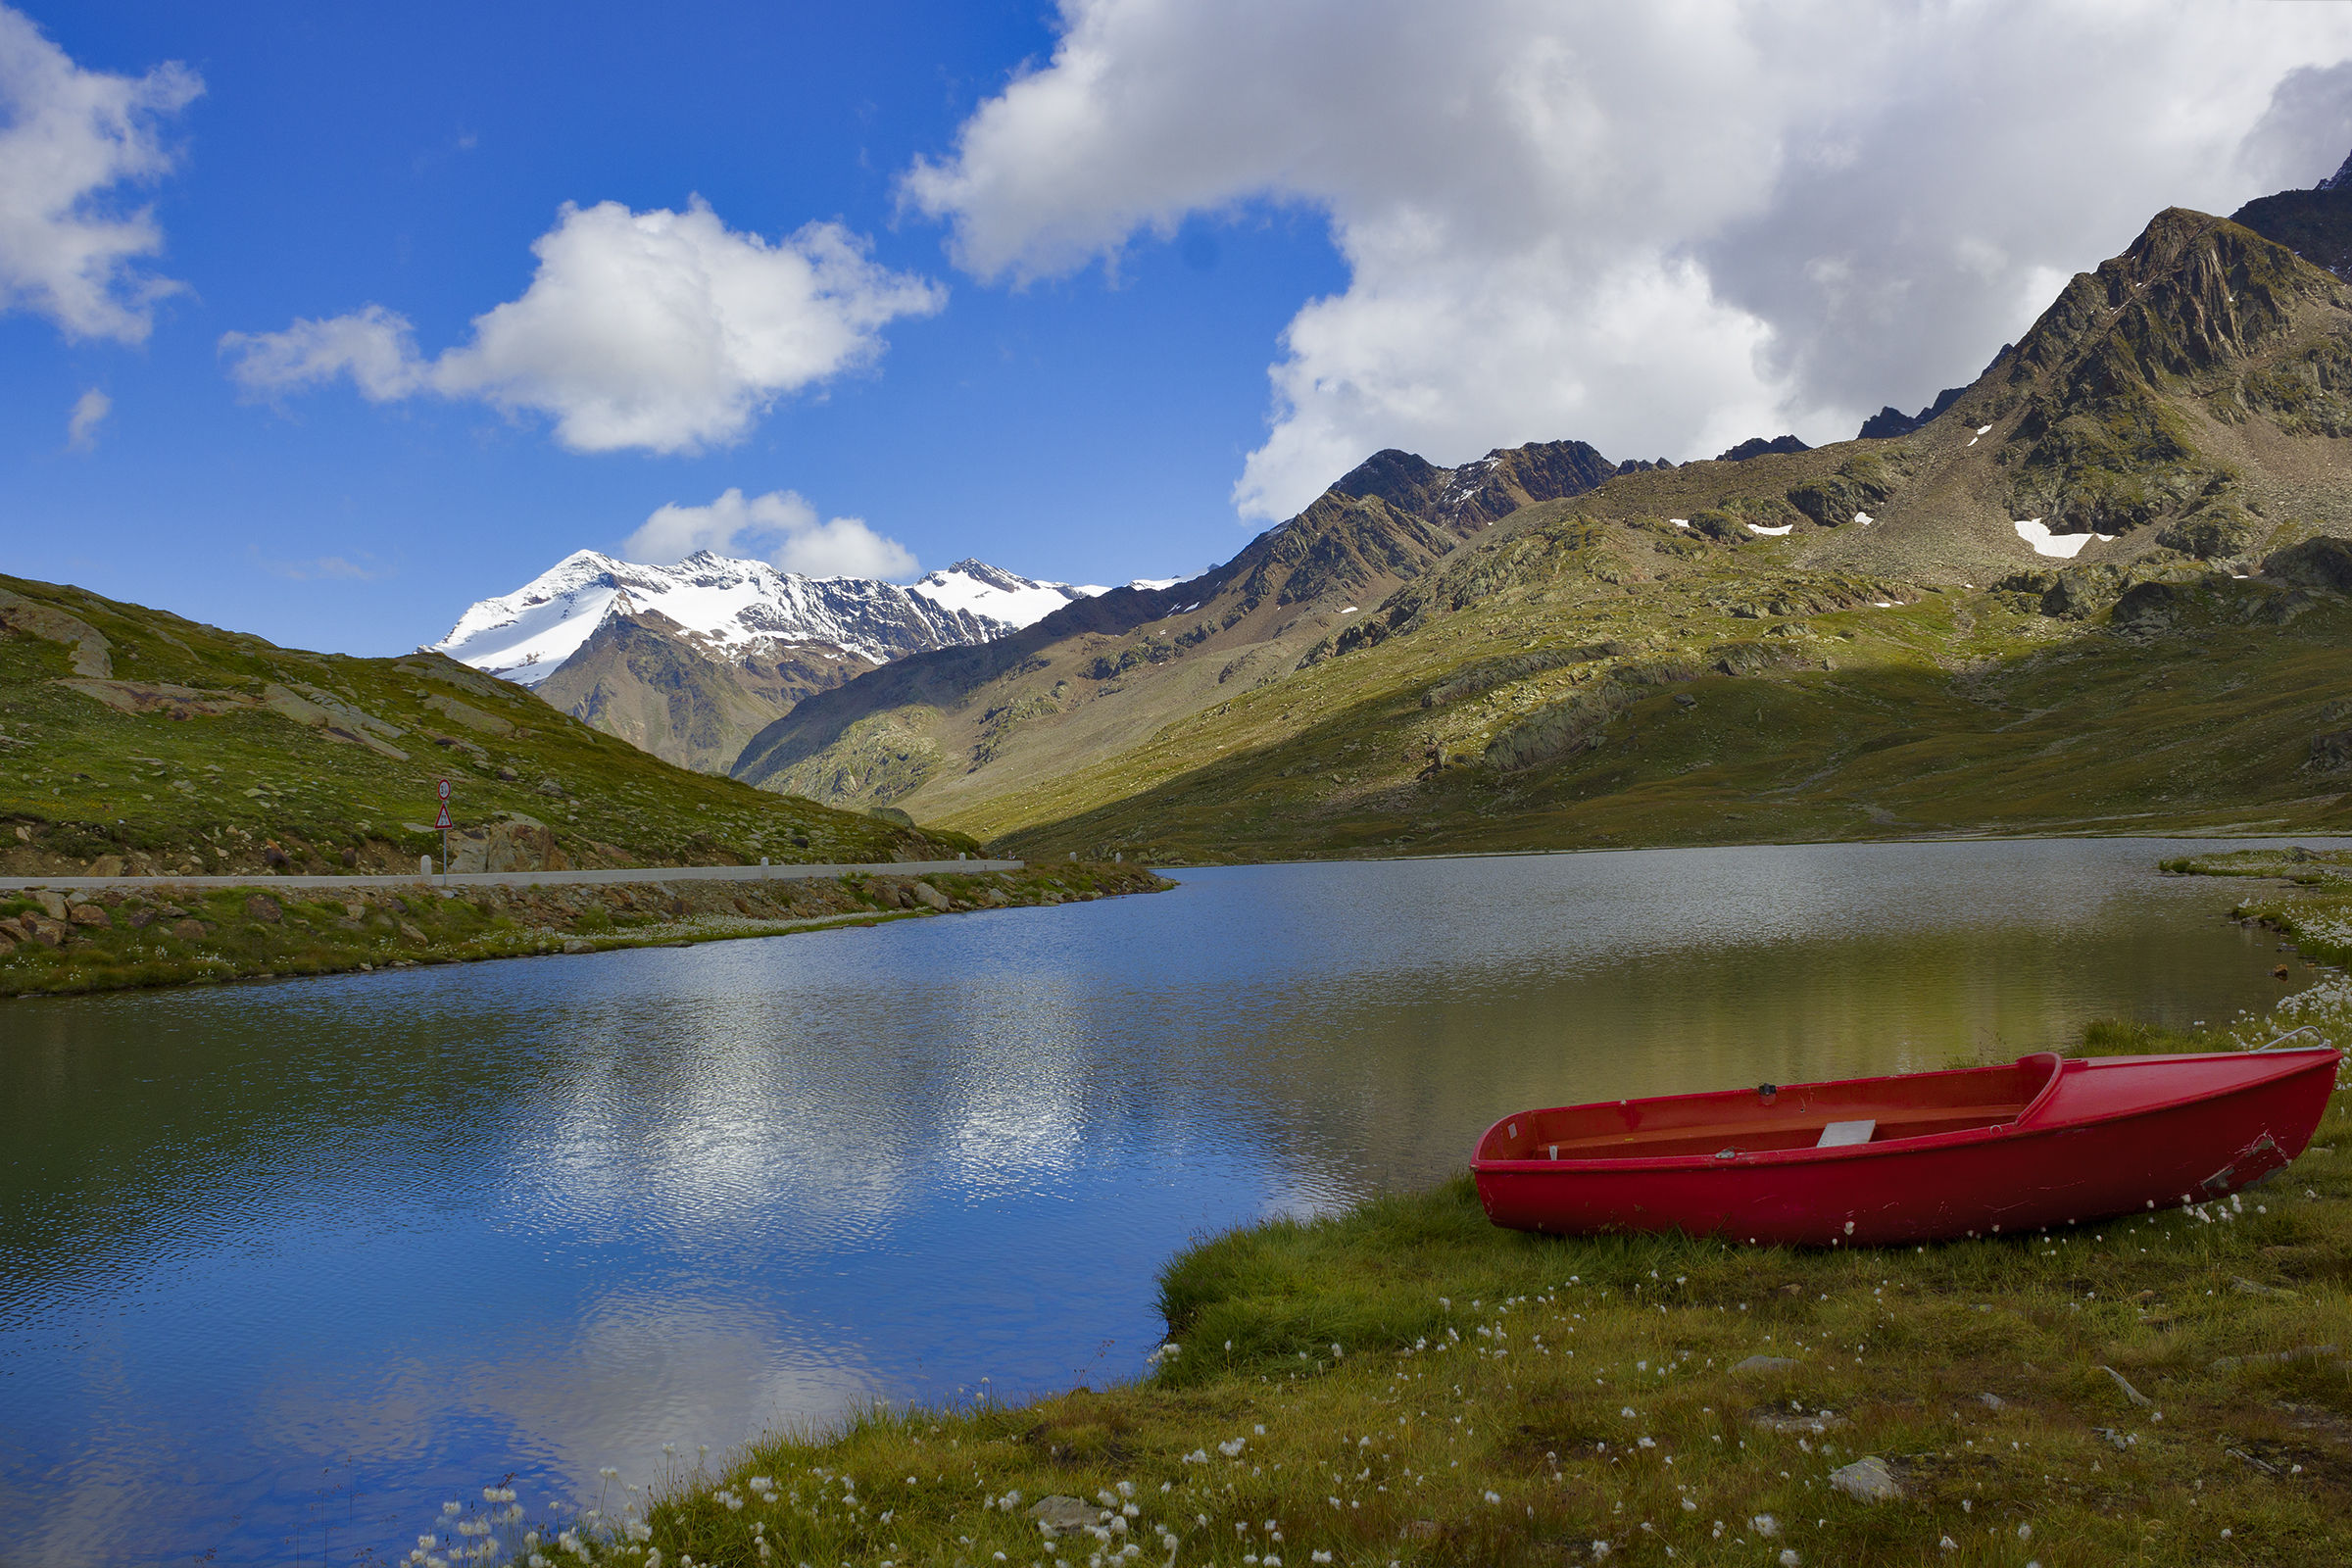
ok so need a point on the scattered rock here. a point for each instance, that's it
(1992, 1401)
(1866, 1479)
(2129, 1392)
(188, 930)
(549, 786)
(578, 945)
(410, 933)
(931, 897)
(2241, 1454)
(106, 865)
(1059, 1514)
(262, 906)
(90, 915)
(1813, 1424)
(54, 902)
(1766, 1365)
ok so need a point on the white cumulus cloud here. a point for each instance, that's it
(70, 140)
(81, 426)
(660, 330)
(778, 527)
(1658, 227)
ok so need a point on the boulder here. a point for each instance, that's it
(932, 897)
(54, 902)
(262, 906)
(1867, 1480)
(106, 865)
(188, 930)
(90, 914)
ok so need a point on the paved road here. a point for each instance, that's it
(533, 879)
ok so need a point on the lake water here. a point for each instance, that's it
(284, 1265)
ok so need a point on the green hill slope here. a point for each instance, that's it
(1850, 640)
(132, 740)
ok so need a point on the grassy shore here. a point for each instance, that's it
(1405, 1384)
(2312, 907)
(56, 942)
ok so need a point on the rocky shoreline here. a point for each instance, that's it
(64, 941)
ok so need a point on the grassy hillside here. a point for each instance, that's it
(1845, 642)
(132, 740)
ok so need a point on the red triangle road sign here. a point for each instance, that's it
(444, 821)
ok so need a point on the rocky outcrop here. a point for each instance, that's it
(91, 653)
(1756, 446)
(520, 845)
(2322, 562)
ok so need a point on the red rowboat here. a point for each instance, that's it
(2042, 1140)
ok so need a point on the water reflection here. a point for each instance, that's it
(282, 1266)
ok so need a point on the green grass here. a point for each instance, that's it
(1405, 1384)
(1958, 712)
(249, 790)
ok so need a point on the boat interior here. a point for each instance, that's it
(1865, 1111)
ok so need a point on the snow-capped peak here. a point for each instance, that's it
(732, 608)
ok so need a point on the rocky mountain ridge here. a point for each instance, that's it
(2155, 459)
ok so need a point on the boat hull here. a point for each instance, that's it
(2110, 1135)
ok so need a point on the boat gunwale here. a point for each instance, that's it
(2013, 1129)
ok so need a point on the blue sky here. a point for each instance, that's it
(1137, 275)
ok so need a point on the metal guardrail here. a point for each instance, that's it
(526, 879)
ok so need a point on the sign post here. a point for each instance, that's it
(444, 825)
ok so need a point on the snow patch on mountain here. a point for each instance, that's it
(733, 609)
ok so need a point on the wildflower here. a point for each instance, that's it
(1232, 1450)
(2025, 1532)
(452, 1510)
(1765, 1525)
(1491, 1496)
(1318, 1556)
(1787, 1557)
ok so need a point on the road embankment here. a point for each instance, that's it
(71, 935)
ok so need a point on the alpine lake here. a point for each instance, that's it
(285, 1265)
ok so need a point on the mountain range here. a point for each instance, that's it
(2143, 491)
(2098, 585)
(688, 661)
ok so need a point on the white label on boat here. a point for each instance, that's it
(1838, 1134)
(1514, 1129)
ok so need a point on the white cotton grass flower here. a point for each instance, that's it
(1787, 1557)
(1765, 1525)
